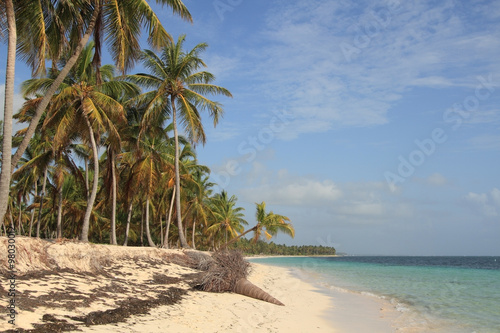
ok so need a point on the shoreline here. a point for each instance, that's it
(119, 289)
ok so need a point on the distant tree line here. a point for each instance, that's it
(249, 247)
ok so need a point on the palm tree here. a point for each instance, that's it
(268, 224)
(81, 106)
(45, 28)
(39, 155)
(227, 217)
(178, 88)
(197, 198)
(6, 171)
(155, 157)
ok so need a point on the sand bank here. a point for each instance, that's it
(151, 290)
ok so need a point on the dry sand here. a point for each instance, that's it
(150, 290)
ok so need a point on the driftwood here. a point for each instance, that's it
(227, 271)
(247, 288)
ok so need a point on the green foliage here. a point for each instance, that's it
(264, 248)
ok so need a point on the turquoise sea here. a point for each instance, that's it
(443, 294)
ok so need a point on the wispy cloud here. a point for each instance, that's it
(485, 142)
(488, 204)
(397, 46)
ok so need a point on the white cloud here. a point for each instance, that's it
(298, 192)
(485, 142)
(436, 179)
(353, 203)
(410, 44)
(488, 204)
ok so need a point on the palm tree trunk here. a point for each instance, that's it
(194, 231)
(182, 237)
(129, 217)
(113, 194)
(148, 234)
(12, 225)
(33, 210)
(5, 175)
(90, 203)
(59, 212)
(55, 85)
(31, 221)
(239, 236)
(247, 288)
(169, 219)
(87, 178)
(161, 230)
(39, 222)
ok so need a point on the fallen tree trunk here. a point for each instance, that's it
(227, 271)
(247, 288)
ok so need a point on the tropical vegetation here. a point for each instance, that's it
(108, 156)
(270, 248)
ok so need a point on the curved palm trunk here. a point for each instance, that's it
(87, 178)
(194, 232)
(90, 203)
(182, 237)
(127, 229)
(148, 233)
(239, 236)
(113, 194)
(39, 222)
(53, 88)
(247, 288)
(59, 213)
(169, 219)
(7, 167)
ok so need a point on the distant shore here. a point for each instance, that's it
(105, 284)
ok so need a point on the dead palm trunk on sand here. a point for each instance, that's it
(227, 271)
(247, 288)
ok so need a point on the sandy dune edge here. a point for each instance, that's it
(71, 282)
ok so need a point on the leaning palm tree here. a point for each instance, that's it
(51, 29)
(178, 88)
(268, 225)
(7, 14)
(83, 109)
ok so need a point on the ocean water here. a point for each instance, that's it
(434, 294)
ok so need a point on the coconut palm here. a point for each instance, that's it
(198, 191)
(228, 218)
(37, 159)
(55, 28)
(83, 109)
(179, 89)
(268, 225)
(156, 155)
(7, 20)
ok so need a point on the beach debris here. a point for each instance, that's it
(227, 271)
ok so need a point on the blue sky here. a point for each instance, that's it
(373, 125)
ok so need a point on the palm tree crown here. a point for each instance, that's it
(179, 89)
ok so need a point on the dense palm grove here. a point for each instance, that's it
(264, 248)
(108, 156)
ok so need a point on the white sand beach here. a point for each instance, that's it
(93, 278)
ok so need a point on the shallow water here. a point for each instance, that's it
(443, 294)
